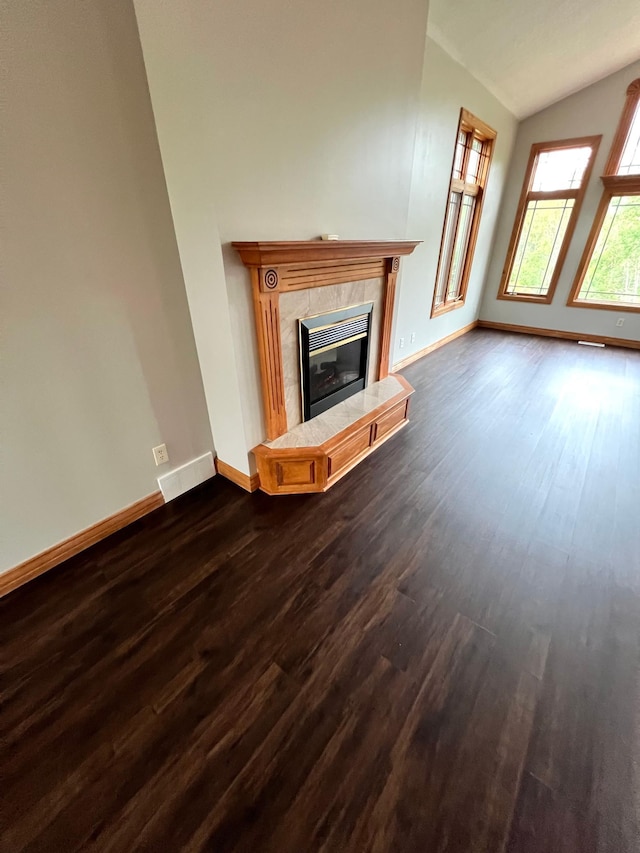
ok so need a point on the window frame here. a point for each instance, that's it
(467, 123)
(527, 194)
(614, 186)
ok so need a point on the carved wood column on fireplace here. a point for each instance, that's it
(278, 267)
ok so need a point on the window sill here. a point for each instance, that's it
(448, 306)
(516, 297)
(603, 306)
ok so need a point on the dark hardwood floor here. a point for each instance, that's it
(440, 654)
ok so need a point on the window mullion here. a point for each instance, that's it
(467, 154)
(452, 250)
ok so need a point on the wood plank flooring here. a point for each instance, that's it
(440, 654)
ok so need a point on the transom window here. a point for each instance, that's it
(554, 185)
(630, 159)
(609, 272)
(471, 161)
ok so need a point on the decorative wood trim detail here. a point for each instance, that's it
(308, 470)
(526, 195)
(621, 184)
(473, 122)
(279, 253)
(405, 362)
(247, 482)
(388, 303)
(624, 126)
(627, 343)
(321, 273)
(31, 568)
(277, 267)
(267, 317)
(270, 279)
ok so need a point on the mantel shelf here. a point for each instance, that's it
(273, 254)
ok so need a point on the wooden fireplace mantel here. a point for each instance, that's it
(277, 253)
(281, 266)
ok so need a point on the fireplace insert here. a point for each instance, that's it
(334, 355)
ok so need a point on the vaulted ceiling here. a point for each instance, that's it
(531, 53)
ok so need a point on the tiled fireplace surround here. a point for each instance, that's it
(298, 304)
(294, 280)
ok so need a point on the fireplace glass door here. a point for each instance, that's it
(334, 354)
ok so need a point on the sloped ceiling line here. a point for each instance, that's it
(530, 55)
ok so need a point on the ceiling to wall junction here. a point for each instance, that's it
(530, 55)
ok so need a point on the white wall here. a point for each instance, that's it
(275, 121)
(99, 362)
(297, 119)
(594, 110)
(446, 87)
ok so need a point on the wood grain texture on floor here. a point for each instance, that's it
(440, 654)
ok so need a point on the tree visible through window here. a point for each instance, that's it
(609, 272)
(554, 186)
(472, 157)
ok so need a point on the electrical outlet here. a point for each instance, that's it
(412, 339)
(160, 454)
(401, 343)
(620, 321)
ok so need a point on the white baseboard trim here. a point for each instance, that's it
(186, 477)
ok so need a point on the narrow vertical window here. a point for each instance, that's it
(609, 272)
(471, 161)
(554, 185)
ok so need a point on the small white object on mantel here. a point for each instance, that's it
(329, 236)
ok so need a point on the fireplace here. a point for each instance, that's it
(334, 355)
(294, 279)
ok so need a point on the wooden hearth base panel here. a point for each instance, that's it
(305, 470)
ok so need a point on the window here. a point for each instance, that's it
(471, 160)
(609, 272)
(554, 185)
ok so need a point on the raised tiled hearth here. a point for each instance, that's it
(314, 455)
(327, 425)
(292, 281)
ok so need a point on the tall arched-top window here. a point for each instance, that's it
(609, 272)
(554, 186)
